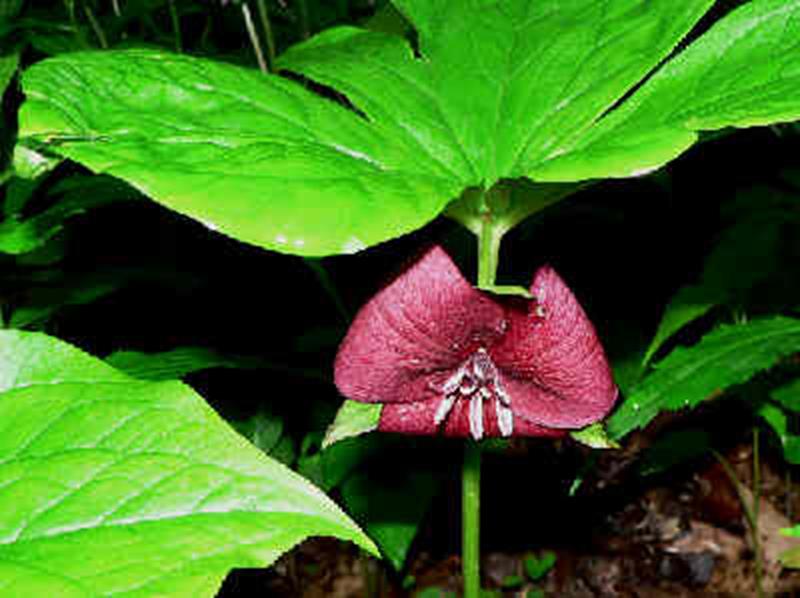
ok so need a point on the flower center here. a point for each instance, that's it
(477, 380)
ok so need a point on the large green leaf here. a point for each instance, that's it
(499, 89)
(727, 356)
(745, 71)
(257, 157)
(504, 82)
(110, 485)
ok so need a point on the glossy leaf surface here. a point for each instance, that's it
(501, 88)
(744, 72)
(110, 485)
(724, 357)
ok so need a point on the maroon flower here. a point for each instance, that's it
(445, 357)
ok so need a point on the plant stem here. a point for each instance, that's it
(470, 524)
(251, 31)
(73, 20)
(326, 283)
(750, 510)
(756, 511)
(176, 26)
(302, 18)
(98, 31)
(263, 13)
(488, 255)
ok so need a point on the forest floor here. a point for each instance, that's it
(683, 533)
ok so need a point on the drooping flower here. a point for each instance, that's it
(444, 357)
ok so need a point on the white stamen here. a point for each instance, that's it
(453, 382)
(478, 380)
(505, 418)
(476, 416)
(501, 393)
(444, 408)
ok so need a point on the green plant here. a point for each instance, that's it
(487, 114)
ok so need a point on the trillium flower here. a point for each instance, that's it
(446, 358)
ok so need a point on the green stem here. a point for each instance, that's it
(326, 283)
(302, 17)
(73, 20)
(750, 510)
(470, 524)
(176, 26)
(263, 14)
(756, 511)
(488, 256)
(98, 30)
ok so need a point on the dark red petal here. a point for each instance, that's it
(414, 332)
(552, 364)
(418, 418)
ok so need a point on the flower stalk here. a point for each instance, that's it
(488, 259)
(488, 254)
(470, 523)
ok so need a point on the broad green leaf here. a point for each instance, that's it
(257, 157)
(727, 356)
(177, 363)
(381, 503)
(499, 88)
(513, 80)
(353, 419)
(744, 72)
(109, 485)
